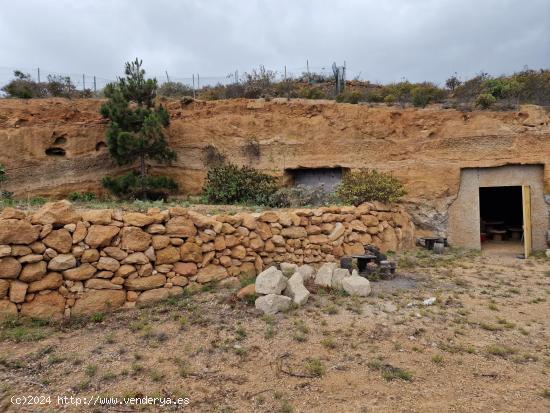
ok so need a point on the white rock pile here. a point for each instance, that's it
(281, 288)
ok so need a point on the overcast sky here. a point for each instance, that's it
(382, 40)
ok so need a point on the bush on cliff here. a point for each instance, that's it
(369, 185)
(137, 134)
(229, 184)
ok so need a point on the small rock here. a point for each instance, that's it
(247, 291)
(273, 303)
(288, 269)
(429, 301)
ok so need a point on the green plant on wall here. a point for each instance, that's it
(137, 134)
(229, 184)
(369, 185)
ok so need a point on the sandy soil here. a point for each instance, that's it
(482, 347)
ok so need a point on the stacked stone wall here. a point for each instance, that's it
(60, 261)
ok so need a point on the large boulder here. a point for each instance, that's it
(99, 301)
(295, 289)
(337, 232)
(52, 281)
(18, 290)
(145, 283)
(158, 294)
(60, 240)
(168, 255)
(81, 273)
(203, 221)
(181, 227)
(101, 235)
(324, 275)
(108, 264)
(56, 213)
(16, 231)
(98, 216)
(4, 287)
(294, 232)
(211, 272)
(273, 303)
(102, 284)
(137, 219)
(135, 239)
(356, 285)
(191, 252)
(45, 306)
(9, 267)
(33, 272)
(185, 268)
(7, 309)
(62, 262)
(270, 281)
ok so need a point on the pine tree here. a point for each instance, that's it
(137, 134)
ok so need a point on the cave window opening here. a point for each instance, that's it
(53, 151)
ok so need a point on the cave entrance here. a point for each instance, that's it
(329, 178)
(504, 212)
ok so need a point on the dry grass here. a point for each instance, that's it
(487, 334)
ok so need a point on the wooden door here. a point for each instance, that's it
(527, 233)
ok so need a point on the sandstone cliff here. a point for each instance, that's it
(52, 147)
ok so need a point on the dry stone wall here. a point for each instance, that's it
(59, 262)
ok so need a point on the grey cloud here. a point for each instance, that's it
(381, 40)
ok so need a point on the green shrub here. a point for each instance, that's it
(134, 186)
(229, 184)
(425, 94)
(374, 97)
(82, 196)
(349, 97)
(485, 101)
(369, 185)
(389, 99)
(309, 92)
(174, 90)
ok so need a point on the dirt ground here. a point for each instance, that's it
(483, 346)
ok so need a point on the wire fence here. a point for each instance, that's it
(96, 82)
